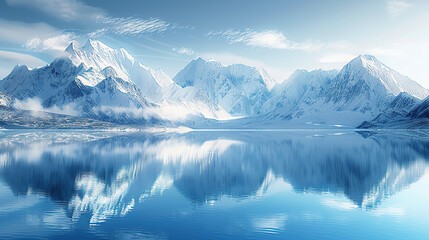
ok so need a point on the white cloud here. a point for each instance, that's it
(385, 52)
(57, 43)
(337, 58)
(185, 51)
(68, 10)
(133, 26)
(35, 104)
(26, 59)
(396, 7)
(20, 32)
(268, 39)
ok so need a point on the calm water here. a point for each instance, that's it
(214, 185)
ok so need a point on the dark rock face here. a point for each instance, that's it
(421, 111)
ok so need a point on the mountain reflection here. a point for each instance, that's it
(107, 175)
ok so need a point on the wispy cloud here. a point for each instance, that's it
(132, 26)
(268, 39)
(68, 10)
(397, 7)
(184, 51)
(94, 23)
(57, 43)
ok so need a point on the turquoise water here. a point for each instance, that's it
(214, 185)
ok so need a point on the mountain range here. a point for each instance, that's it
(97, 82)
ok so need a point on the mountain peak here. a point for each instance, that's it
(96, 45)
(202, 61)
(73, 46)
(365, 61)
(365, 77)
(368, 57)
(19, 68)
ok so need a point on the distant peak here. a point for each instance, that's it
(299, 71)
(19, 67)
(200, 60)
(211, 61)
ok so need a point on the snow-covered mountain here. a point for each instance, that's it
(118, 62)
(173, 102)
(239, 89)
(302, 87)
(360, 91)
(397, 110)
(416, 118)
(109, 84)
(421, 110)
(190, 101)
(60, 86)
(364, 83)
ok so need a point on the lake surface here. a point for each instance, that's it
(214, 185)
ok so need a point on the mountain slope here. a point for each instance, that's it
(5, 101)
(365, 83)
(302, 87)
(239, 89)
(421, 110)
(395, 112)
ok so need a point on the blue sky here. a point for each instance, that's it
(280, 36)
